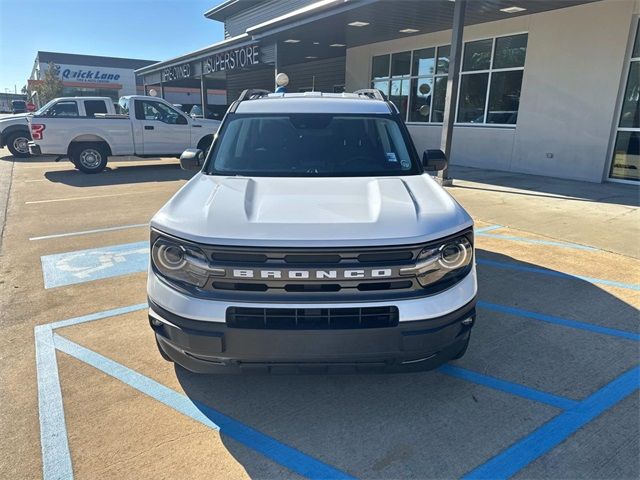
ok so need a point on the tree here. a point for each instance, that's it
(26, 90)
(50, 86)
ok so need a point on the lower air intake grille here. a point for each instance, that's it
(312, 318)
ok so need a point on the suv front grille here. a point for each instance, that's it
(312, 318)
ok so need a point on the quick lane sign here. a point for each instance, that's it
(232, 59)
(91, 76)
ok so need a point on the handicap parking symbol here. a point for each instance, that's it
(93, 264)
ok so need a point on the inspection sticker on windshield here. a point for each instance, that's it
(391, 157)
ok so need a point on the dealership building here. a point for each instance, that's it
(90, 75)
(547, 87)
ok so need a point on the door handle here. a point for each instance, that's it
(148, 127)
(199, 126)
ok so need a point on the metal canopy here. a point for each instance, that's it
(385, 20)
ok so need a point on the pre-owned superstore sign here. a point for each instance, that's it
(242, 57)
(177, 72)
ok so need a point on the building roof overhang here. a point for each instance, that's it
(326, 23)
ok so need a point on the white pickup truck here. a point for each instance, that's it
(145, 127)
(14, 129)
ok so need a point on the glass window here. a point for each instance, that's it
(473, 94)
(636, 46)
(477, 55)
(401, 64)
(630, 116)
(312, 145)
(380, 67)
(399, 95)
(423, 62)
(91, 107)
(63, 109)
(626, 156)
(510, 51)
(421, 94)
(422, 97)
(382, 85)
(439, 95)
(150, 110)
(504, 97)
(443, 59)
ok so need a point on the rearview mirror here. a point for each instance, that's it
(434, 160)
(192, 159)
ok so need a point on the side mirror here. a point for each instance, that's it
(434, 160)
(192, 159)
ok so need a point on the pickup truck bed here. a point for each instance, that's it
(146, 127)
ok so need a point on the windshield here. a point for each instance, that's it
(312, 145)
(45, 107)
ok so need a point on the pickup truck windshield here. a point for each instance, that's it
(45, 107)
(312, 145)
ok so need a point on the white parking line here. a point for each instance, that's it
(38, 180)
(68, 199)
(87, 232)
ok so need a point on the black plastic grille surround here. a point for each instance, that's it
(312, 318)
(311, 258)
(315, 258)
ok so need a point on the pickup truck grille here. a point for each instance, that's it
(312, 318)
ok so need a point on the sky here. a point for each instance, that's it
(144, 29)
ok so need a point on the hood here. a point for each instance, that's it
(263, 211)
(21, 117)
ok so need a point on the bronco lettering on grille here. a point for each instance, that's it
(312, 274)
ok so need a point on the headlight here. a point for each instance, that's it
(438, 263)
(181, 262)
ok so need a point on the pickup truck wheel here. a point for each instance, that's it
(89, 158)
(18, 144)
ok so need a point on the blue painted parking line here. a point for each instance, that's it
(551, 243)
(554, 432)
(98, 316)
(559, 321)
(280, 453)
(508, 387)
(488, 229)
(554, 273)
(93, 264)
(56, 459)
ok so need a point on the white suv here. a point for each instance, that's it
(312, 240)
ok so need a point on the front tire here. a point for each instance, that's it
(18, 144)
(89, 157)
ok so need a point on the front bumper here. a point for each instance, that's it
(34, 149)
(213, 347)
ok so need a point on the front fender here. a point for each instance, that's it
(12, 129)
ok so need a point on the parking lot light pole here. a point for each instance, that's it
(453, 81)
(204, 99)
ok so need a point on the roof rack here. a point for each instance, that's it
(372, 93)
(252, 94)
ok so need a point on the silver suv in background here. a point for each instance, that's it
(312, 239)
